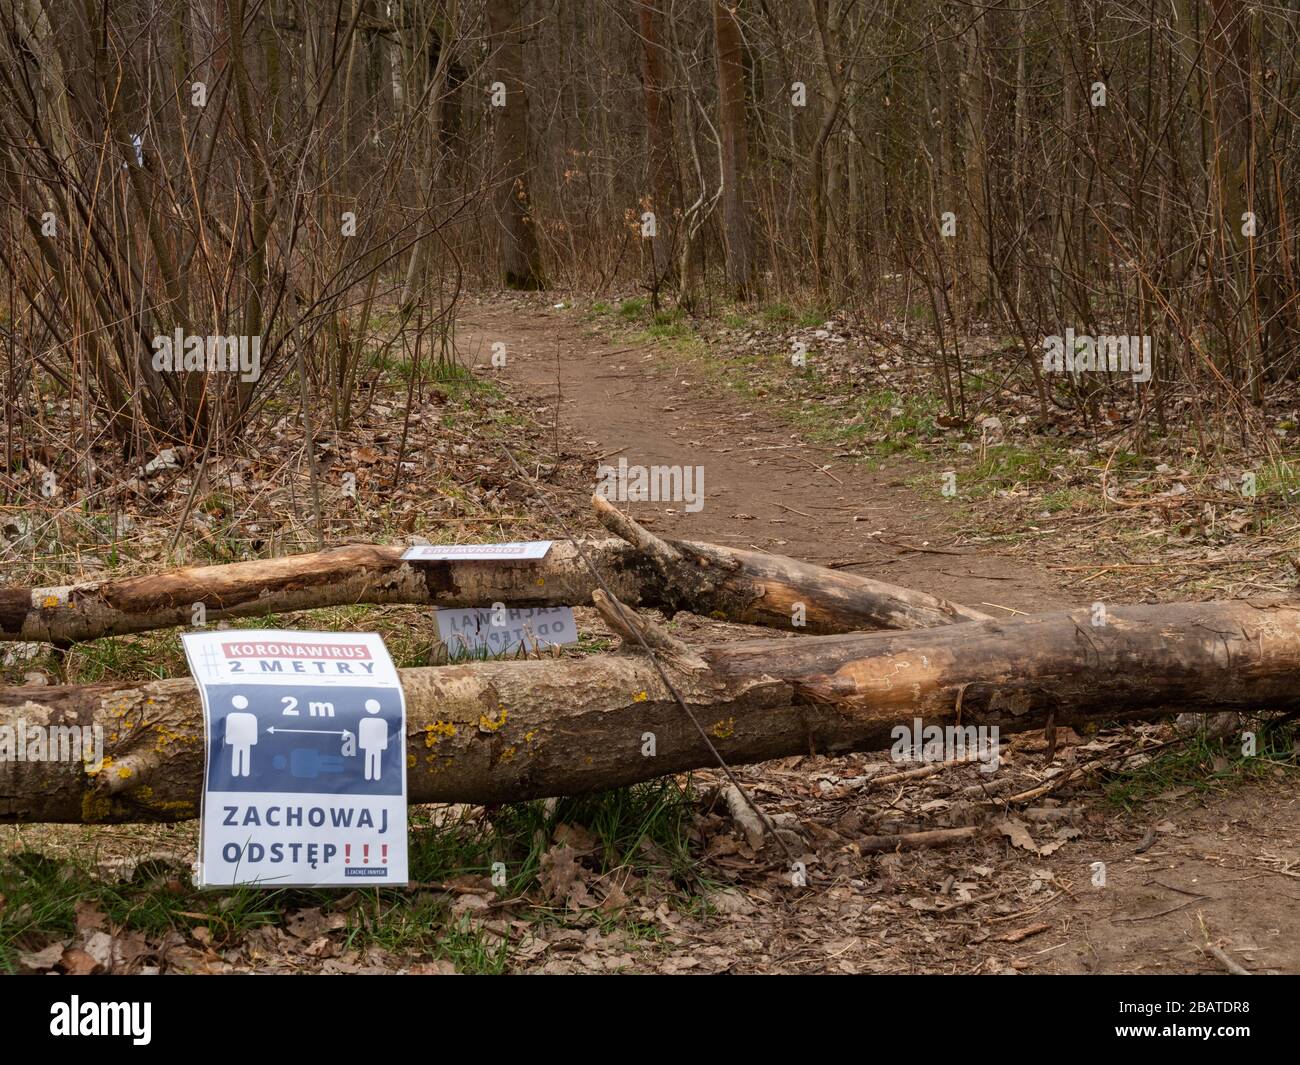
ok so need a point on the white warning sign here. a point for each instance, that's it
(304, 763)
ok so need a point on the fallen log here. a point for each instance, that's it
(752, 587)
(513, 730)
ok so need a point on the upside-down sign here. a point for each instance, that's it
(304, 779)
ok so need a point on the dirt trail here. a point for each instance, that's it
(1219, 868)
(762, 486)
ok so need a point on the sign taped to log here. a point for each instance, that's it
(530, 549)
(304, 777)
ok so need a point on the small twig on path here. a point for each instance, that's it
(1222, 955)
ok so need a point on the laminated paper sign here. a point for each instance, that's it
(476, 631)
(529, 549)
(304, 779)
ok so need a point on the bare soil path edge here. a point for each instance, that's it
(1212, 874)
(763, 486)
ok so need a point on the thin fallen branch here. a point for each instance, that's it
(908, 841)
(1226, 960)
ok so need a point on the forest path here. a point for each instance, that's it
(763, 487)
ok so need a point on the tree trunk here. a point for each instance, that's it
(514, 730)
(733, 129)
(745, 586)
(833, 89)
(521, 262)
(664, 200)
(444, 77)
(978, 226)
(1229, 49)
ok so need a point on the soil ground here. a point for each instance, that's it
(764, 486)
(1184, 868)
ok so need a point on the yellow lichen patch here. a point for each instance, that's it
(166, 736)
(104, 763)
(410, 761)
(508, 754)
(123, 772)
(724, 730)
(437, 732)
(94, 807)
(177, 809)
(50, 602)
(488, 724)
(640, 697)
(530, 735)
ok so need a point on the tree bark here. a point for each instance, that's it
(515, 730)
(744, 586)
(664, 200)
(979, 225)
(833, 89)
(444, 79)
(733, 129)
(521, 261)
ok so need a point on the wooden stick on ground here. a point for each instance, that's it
(906, 841)
(1234, 967)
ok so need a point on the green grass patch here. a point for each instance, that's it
(1205, 765)
(885, 423)
(670, 325)
(778, 314)
(646, 829)
(1009, 465)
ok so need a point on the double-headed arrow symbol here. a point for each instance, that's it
(313, 731)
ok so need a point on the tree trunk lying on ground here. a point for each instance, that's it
(744, 586)
(513, 730)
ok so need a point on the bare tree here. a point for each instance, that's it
(664, 198)
(521, 263)
(733, 126)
